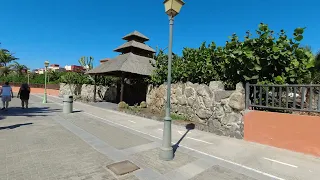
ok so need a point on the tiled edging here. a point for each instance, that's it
(52, 92)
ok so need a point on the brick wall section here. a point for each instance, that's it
(49, 86)
(294, 132)
(52, 92)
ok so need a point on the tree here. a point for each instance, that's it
(6, 57)
(5, 71)
(18, 68)
(160, 73)
(86, 62)
(317, 61)
(265, 58)
(316, 69)
(268, 59)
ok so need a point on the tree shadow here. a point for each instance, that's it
(15, 126)
(189, 127)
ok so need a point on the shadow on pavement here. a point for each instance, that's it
(15, 126)
(76, 111)
(189, 127)
(30, 112)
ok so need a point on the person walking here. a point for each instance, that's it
(7, 94)
(24, 94)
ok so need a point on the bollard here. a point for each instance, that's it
(67, 104)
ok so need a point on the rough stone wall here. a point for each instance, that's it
(85, 92)
(212, 107)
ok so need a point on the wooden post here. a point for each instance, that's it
(122, 87)
(95, 89)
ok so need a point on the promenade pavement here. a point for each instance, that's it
(43, 143)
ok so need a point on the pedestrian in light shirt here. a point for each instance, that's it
(7, 94)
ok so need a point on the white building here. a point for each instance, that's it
(56, 68)
(39, 71)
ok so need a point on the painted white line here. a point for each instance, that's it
(294, 166)
(160, 129)
(234, 163)
(132, 121)
(121, 125)
(199, 140)
(183, 132)
(200, 152)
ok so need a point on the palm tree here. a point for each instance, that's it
(5, 71)
(6, 57)
(19, 68)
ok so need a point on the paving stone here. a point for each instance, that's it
(45, 149)
(151, 160)
(106, 132)
(221, 173)
(123, 167)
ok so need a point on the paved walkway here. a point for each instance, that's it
(43, 143)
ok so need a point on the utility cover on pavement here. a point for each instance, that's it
(123, 167)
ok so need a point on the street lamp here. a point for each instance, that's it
(28, 72)
(172, 8)
(46, 64)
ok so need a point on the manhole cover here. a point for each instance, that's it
(123, 167)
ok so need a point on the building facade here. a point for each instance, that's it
(74, 68)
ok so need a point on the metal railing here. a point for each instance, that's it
(294, 97)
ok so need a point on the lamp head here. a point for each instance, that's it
(46, 63)
(173, 7)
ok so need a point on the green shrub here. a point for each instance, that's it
(123, 105)
(265, 58)
(143, 104)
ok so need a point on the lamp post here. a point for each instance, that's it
(46, 64)
(28, 72)
(172, 8)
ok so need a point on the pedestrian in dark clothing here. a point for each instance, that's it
(24, 93)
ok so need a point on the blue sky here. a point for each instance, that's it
(62, 31)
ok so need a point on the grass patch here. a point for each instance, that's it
(135, 108)
(178, 117)
(142, 110)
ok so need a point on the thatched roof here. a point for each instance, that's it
(136, 45)
(130, 63)
(135, 34)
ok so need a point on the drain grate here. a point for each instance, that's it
(122, 168)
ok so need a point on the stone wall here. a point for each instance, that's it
(85, 92)
(211, 107)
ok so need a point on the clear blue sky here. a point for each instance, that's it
(62, 31)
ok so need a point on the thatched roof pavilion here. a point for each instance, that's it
(135, 60)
